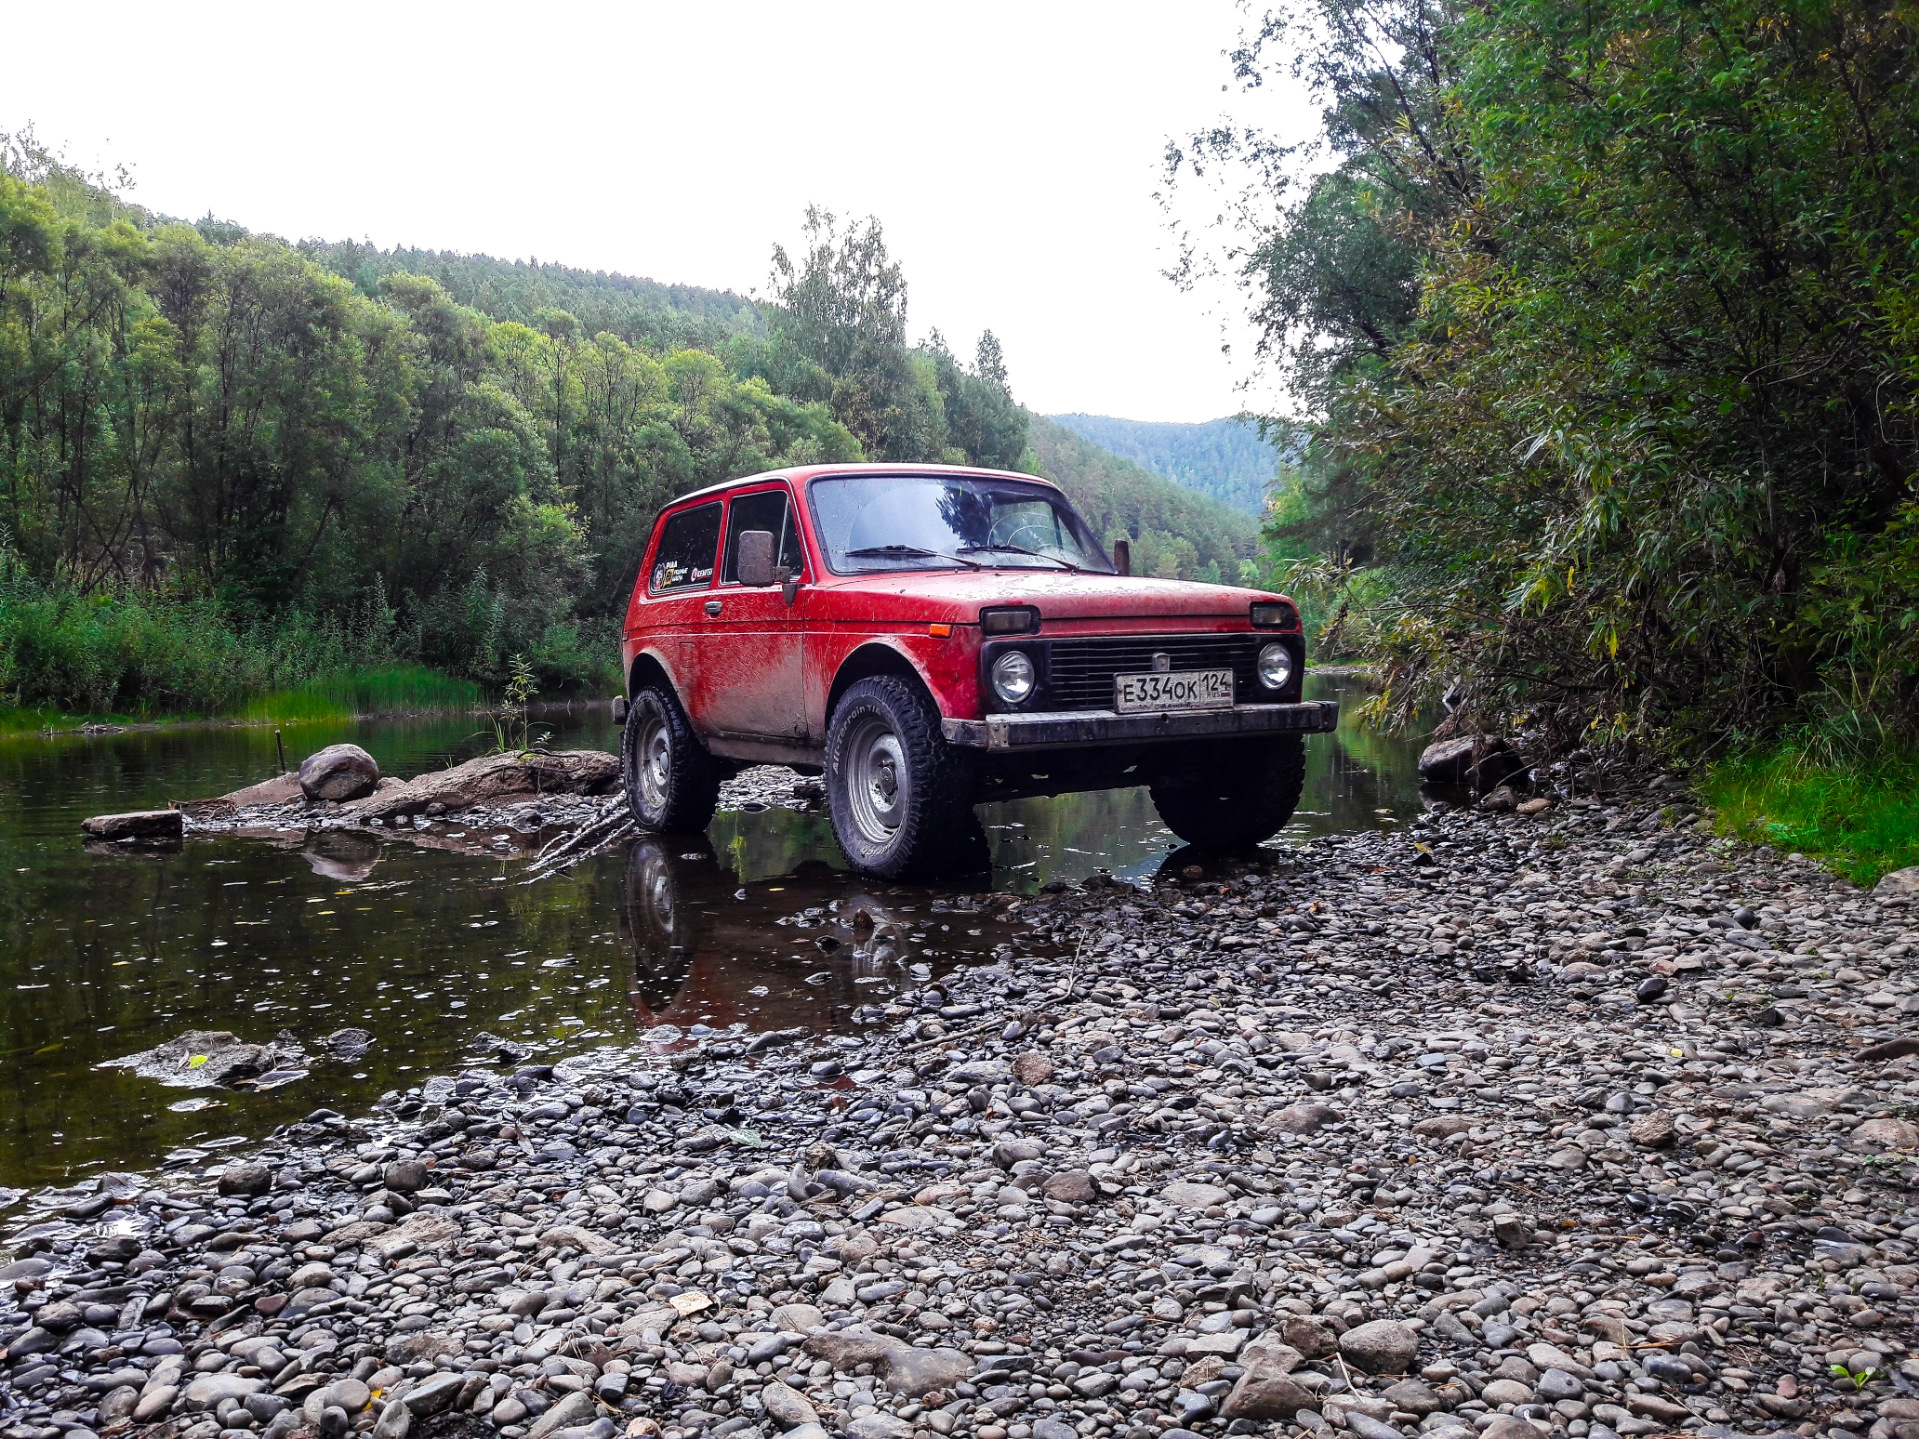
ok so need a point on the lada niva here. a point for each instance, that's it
(929, 638)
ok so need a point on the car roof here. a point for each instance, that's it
(800, 474)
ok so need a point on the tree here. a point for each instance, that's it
(984, 423)
(1643, 456)
(839, 335)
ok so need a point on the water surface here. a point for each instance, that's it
(105, 952)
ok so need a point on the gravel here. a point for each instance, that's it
(1386, 1135)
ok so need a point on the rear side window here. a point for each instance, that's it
(769, 510)
(688, 545)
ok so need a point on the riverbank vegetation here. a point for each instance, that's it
(1858, 813)
(1603, 320)
(234, 468)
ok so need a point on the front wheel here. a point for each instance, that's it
(672, 783)
(1232, 793)
(899, 794)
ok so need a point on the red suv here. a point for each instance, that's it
(929, 638)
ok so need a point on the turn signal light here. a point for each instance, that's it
(1009, 620)
(1273, 615)
(939, 632)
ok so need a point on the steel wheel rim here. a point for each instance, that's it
(655, 760)
(876, 788)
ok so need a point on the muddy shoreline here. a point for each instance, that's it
(1575, 1123)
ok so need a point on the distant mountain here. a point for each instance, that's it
(1223, 459)
(1175, 533)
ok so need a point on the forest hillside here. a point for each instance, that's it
(231, 465)
(1225, 460)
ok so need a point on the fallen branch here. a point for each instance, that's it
(613, 826)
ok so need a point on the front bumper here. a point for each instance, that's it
(1064, 729)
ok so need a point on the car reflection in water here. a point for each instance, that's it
(817, 948)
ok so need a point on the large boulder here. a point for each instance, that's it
(787, 1407)
(1896, 1048)
(1183, 1194)
(1301, 1119)
(1266, 1390)
(207, 1390)
(1074, 1186)
(246, 1178)
(1884, 1134)
(1900, 884)
(339, 772)
(1307, 1335)
(1383, 1346)
(906, 1368)
(495, 777)
(1479, 761)
(142, 824)
(436, 1392)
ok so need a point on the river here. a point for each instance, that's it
(439, 955)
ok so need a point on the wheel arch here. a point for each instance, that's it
(870, 660)
(647, 669)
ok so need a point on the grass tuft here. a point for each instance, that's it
(385, 690)
(1858, 814)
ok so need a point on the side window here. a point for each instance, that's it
(684, 559)
(769, 510)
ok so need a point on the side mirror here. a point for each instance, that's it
(756, 558)
(1123, 556)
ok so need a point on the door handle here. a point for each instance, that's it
(713, 608)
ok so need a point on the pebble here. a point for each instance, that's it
(1243, 1147)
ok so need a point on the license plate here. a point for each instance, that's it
(1180, 690)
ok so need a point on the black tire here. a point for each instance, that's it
(672, 783)
(1233, 793)
(900, 795)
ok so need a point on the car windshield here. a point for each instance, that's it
(925, 522)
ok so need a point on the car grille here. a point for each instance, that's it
(1080, 673)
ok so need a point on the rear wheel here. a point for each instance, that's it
(1232, 793)
(899, 794)
(672, 783)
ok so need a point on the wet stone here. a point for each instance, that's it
(339, 772)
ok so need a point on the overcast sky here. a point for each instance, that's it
(1012, 150)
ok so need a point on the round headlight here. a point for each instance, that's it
(1275, 666)
(1012, 677)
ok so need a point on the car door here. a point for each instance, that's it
(678, 590)
(752, 680)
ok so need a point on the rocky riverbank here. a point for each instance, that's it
(558, 807)
(1568, 1122)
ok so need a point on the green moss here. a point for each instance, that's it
(1859, 815)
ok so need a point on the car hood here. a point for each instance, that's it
(1058, 595)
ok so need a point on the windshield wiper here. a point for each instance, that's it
(907, 552)
(1021, 550)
